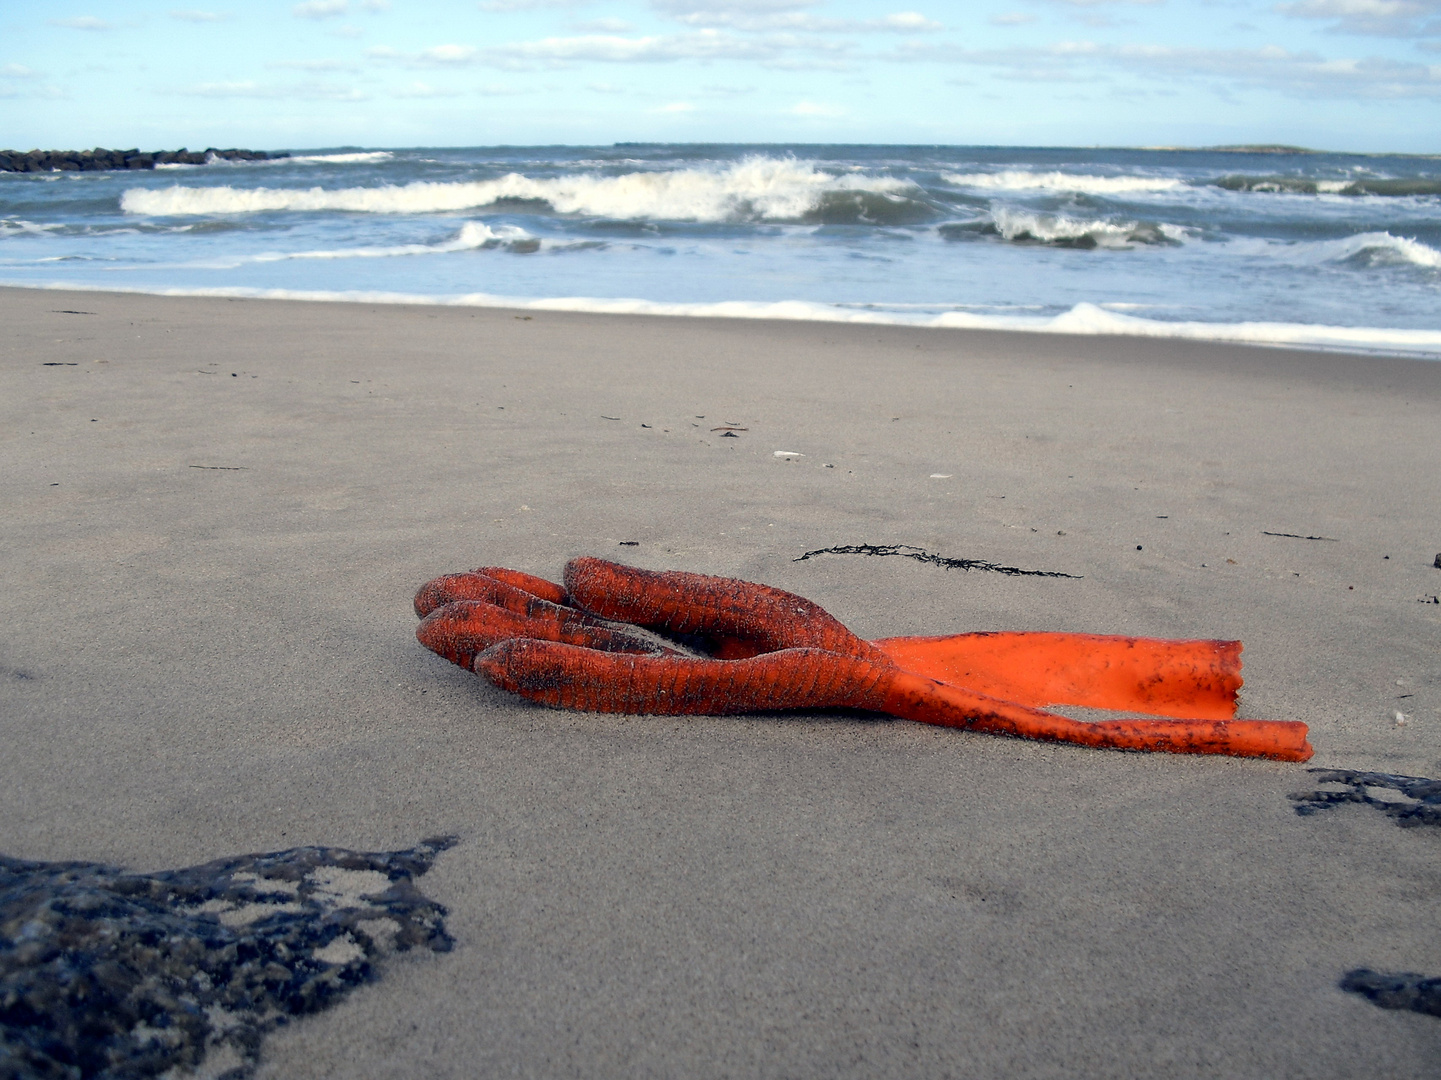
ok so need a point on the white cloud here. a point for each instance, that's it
(682, 7)
(1012, 18)
(1090, 13)
(200, 16)
(1378, 18)
(1299, 74)
(447, 54)
(29, 86)
(499, 90)
(374, 5)
(45, 92)
(707, 44)
(606, 26)
(749, 19)
(501, 6)
(82, 22)
(604, 88)
(910, 22)
(424, 90)
(346, 31)
(306, 91)
(811, 108)
(313, 65)
(320, 9)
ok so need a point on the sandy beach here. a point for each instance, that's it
(218, 510)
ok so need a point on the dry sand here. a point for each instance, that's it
(216, 512)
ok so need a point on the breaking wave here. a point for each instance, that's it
(766, 189)
(21, 227)
(1020, 180)
(1382, 249)
(1058, 230)
(366, 157)
(1366, 250)
(473, 235)
(1303, 185)
(369, 157)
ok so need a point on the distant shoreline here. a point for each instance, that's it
(102, 160)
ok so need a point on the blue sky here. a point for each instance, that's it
(1336, 74)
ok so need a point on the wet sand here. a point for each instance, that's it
(217, 512)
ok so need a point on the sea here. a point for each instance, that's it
(1339, 251)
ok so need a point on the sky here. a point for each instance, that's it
(1361, 75)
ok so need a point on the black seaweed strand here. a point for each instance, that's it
(908, 552)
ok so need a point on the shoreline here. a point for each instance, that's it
(1083, 320)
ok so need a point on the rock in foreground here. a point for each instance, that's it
(104, 972)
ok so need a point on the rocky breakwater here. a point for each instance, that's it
(101, 159)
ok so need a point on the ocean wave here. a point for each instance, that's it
(1058, 230)
(767, 189)
(369, 157)
(1020, 180)
(356, 158)
(21, 227)
(1304, 185)
(1381, 249)
(1364, 250)
(473, 235)
(1086, 319)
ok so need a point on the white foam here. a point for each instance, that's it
(1382, 247)
(1020, 180)
(368, 157)
(1375, 248)
(1059, 228)
(21, 227)
(359, 158)
(778, 189)
(1083, 319)
(472, 235)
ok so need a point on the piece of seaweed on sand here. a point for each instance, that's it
(906, 551)
(1409, 800)
(1405, 990)
(105, 973)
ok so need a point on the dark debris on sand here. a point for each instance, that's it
(1406, 990)
(105, 973)
(1409, 800)
(906, 551)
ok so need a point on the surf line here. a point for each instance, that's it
(908, 552)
